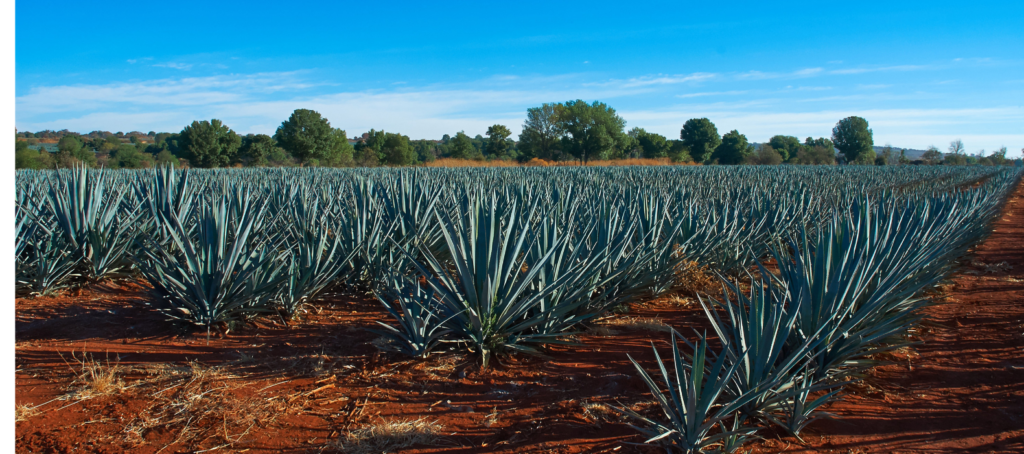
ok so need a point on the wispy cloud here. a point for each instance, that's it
(713, 93)
(800, 73)
(879, 69)
(668, 80)
(181, 66)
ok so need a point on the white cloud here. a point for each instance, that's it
(181, 66)
(667, 80)
(712, 93)
(879, 69)
(259, 102)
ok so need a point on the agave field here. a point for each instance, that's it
(820, 269)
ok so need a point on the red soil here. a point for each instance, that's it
(301, 387)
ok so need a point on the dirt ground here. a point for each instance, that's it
(99, 371)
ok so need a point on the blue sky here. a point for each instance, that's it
(922, 73)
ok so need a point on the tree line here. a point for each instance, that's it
(570, 131)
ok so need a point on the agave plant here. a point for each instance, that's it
(698, 412)
(90, 210)
(755, 334)
(316, 256)
(485, 295)
(415, 309)
(224, 270)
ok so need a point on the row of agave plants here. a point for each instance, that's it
(497, 260)
(798, 334)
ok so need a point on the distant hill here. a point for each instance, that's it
(911, 153)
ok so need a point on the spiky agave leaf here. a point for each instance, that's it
(414, 309)
(695, 415)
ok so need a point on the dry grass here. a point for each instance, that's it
(491, 418)
(654, 325)
(204, 407)
(597, 413)
(93, 378)
(388, 435)
(692, 279)
(24, 412)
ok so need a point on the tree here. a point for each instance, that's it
(765, 156)
(256, 148)
(886, 157)
(701, 138)
(207, 144)
(397, 151)
(854, 139)
(165, 157)
(71, 151)
(998, 158)
(497, 142)
(591, 130)
(786, 146)
(461, 147)
(932, 157)
(814, 155)
(734, 149)
(542, 133)
(956, 147)
(650, 145)
(678, 152)
(308, 137)
(129, 157)
(27, 158)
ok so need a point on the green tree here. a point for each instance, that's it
(72, 151)
(497, 142)
(786, 146)
(678, 152)
(764, 156)
(854, 139)
(700, 136)
(462, 147)
(542, 133)
(397, 151)
(256, 148)
(932, 156)
(111, 143)
(650, 145)
(308, 136)
(165, 157)
(734, 149)
(27, 158)
(129, 157)
(592, 130)
(207, 144)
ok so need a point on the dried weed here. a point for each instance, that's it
(94, 379)
(24, 412)
(639, 323)
(388, 435)
(693, 279)
(203, 405)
